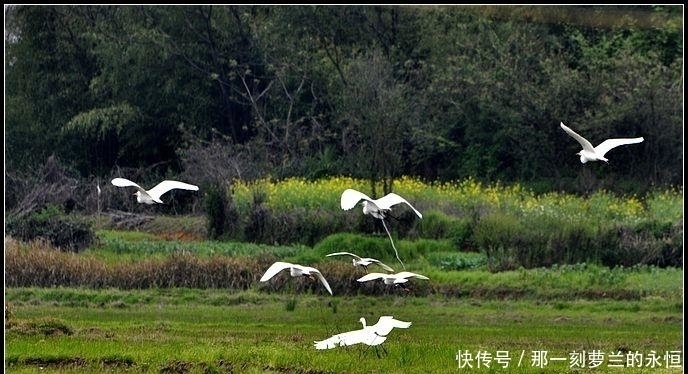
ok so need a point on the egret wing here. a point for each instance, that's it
(122, 182)
(167, 185)
(408, 274)
(608, 144)
(274, 269)
(386, 323)
(390, 199)
(389, 322)
(343, 339)
(382, 264)
(322, 280)
(583, 142)
(370, 276)
(370, 337)
(344, 253)
(351, 197)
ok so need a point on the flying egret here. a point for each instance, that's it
(152, 196)
(397, 278)
(370, 335)
(590, 153)
(377, 208)
(363, 262)
(295, 270)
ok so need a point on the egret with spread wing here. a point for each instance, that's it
(363, 262)
(369, 335)
(590, 153)
(398, 278)
(152, 196)
(295, 270)
(378, 208)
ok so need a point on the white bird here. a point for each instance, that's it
(397, 278)
(363, 262)
(295, 270)
(370, 335)
(376, 208)
(152, 196)
(590, 153)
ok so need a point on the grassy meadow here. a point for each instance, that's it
(218, 331)
(163, 299)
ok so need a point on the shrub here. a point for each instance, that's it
(456, 260)
(650, 243)
(65, 232)
(256, 229)
(438, 225)
(215, 206)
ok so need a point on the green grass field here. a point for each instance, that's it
(70, 330)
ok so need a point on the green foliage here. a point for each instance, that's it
(438, 225)
(499, 237)
(95, 124)
(95, 133)
(455, 91)
(456, 260)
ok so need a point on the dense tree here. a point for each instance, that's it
(440, 92)
(48, 67)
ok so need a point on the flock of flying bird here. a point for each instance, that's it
(376, 334)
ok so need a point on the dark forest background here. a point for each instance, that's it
(213, 93)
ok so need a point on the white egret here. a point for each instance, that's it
(377, 208)
(363, 262)
(590, 153)
(295, 270)
(152, 196)
(397, 278)
(98, 198)
(369, 335)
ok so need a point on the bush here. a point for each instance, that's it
(650, 243)
(51, 224)
(510, 242)
(218, 211)
(365, 246)
(438, 225)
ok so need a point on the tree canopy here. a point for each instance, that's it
(438, 92)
